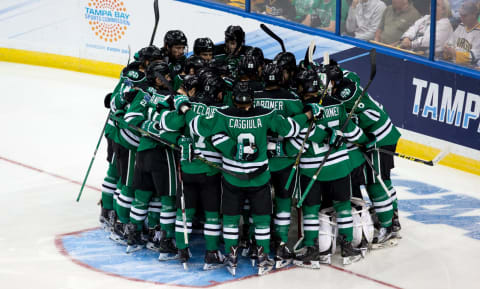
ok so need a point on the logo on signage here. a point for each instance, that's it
(108, 19)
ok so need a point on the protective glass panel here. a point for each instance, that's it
(235, 3)
(314, 13)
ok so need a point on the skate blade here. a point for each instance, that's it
(252, 261)
(244, 252)
(325, 259)
(185, 266)
(364, 251)
(264, 270)
(309, 265)
(117, 239)
(232, 270)
(167, 257)
(207, 267)
(150, 246)
(396, 235)
(282, 263)
(351, 259)
(133, 248)
(387, 244)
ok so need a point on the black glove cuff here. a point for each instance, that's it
(107, 99)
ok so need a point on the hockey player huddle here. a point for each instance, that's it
(233, 141)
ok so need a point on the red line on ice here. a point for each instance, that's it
(59, 244)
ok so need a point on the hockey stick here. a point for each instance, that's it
(91, 162)
(433, 162)
(375, 172)
(273, 35)
(184, 214)
(245, 177)
(157, 18)
(373, 71)
(310, 126)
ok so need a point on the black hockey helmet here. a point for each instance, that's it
(174, 37)
(257, 53)
(236, 34)
(202, 45)
(272, 74)
(242, 93)
(191, 81)
(149, 53)
(308, 80)
(286, 60)
(248, 65)
(157, 68)
(212, 86)
(195, 62)
(220, 66)
(333, 72)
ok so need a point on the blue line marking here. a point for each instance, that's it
(16, 6)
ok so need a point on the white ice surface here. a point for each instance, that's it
(51, 120)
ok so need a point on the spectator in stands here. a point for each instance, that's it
(395, 21)
(417, 37)
(463, 47)
(319, 13)
(363, 18)
(279, 8)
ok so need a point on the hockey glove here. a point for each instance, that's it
(335, 137)
(246, 152)
(316, 109)
(152, 127)
(185, 144)
(130, 95)
(275, 149)
(107, 99)
(182, 104)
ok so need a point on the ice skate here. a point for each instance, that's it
(104, 220)
(384, 239)
(213, 260)
(396, 227)
(153, 242)
(363, 247)
(308, 257)
(283, 256)
(167, 248)
(184, 255)
(231, 260)
(118, 234)
(349, 254)
(134, 239)
(264, 263)
(325, 257)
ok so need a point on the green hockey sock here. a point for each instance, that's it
(393, 193)
(180, 229)
(124, 203)
(311, 224)
(154, 209)
(167, 215)
(139, 209)
(230, 231)
(344, 219)
(282, 218)
(109, 186)
(262, 231)
(116, 194)
(211, 230)
(381, 203)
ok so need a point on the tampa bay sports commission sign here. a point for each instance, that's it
(108, 19)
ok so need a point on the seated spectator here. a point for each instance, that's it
(395, 21)
(363, 18)
(324, 17)
(279, 8)
(463, 47)
(417, 37)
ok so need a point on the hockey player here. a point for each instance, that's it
(240, 133)
(175, 48)
(376, 123)
(125, 140)
(201, 182)
(132, 75)
(192, 65)
(234, 45)
(333, 181)
(155, 170)
(288, 63)
(287, 104)
(203, 47)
